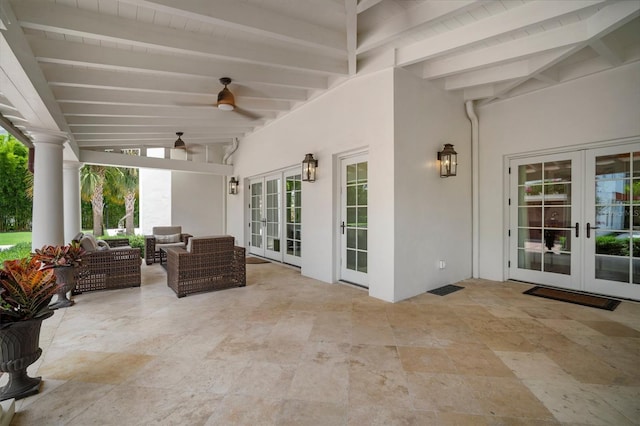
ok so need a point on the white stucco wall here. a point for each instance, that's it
(432, 214)
(192, 200)
(600, 107)
(357, 114)
(197, 203)
(155, 195)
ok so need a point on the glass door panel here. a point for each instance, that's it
(272, 214)
(613, 215)
(256, 208)
(293, 218)
(542, 248)
(354, 221)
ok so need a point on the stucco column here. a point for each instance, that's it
(71, 189)
(48, 211)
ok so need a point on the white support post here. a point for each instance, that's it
(71, 190)
(48, 211)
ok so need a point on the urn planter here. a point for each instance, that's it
(19, 348)
(66, 279)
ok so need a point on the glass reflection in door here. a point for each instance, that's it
(617, 217)
(293, 219)
(544, 217)
(357, 216)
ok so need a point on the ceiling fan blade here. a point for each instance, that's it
(246, 113)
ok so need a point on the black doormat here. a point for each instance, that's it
(447, 289)
(255, 260)
(577, 298)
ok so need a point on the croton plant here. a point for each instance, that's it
(26, 289)
(60, 256)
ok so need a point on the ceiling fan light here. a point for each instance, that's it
(225, 107)
(179, 143)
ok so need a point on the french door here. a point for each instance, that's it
(269, 238)
(265, 206)
(354, 220)
(575, 220)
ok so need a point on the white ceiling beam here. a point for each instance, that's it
(488, 75)
(142, 137)
(89, 121)
(149, 130)
(411, 19)
(60, 75)
(123, 160)
(70, 53)
(366, 4)
(22, 80)
(607, 19)
(606, 52)
(547, 77)
(55, 18)
(150, 111)
(517, 18)
(123, 97)
(352, 34)
(252, 19)
(6, 124)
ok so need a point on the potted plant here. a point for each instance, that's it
(63, 260)
(25, 292)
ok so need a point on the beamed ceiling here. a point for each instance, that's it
(130, 73)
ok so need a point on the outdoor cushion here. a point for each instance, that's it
(171, 238)
(88, 243)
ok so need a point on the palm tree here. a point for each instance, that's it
(92, 178)
(129, 187)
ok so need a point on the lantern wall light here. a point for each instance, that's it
(309, 166)
(233, 186)
(448, 158)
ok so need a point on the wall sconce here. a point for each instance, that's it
(233, 186)
(309, 166)
(448, 161)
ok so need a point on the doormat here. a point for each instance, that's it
(577, 298)
(254, 260)
(447, 289)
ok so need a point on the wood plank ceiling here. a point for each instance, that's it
(130, 73)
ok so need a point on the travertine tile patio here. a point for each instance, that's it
(288, 350)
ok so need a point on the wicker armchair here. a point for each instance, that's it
(208, 263)
(163, 237)
(109, 268)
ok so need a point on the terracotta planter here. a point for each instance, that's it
(65, 277)
(19, 349)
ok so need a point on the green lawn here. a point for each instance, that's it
(10, 238)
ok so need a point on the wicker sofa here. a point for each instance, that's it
(207, 263)
(163, 237)
(107, 265)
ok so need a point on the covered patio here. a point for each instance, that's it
(289, 350)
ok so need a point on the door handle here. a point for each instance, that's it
(342, 228)
(589, 228)
(577, 229)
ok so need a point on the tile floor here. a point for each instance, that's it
(288, 350)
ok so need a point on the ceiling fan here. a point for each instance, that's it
(227, 102)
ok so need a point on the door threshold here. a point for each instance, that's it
(360, 286)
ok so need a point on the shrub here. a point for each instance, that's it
(609, 244)
(135, 241)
